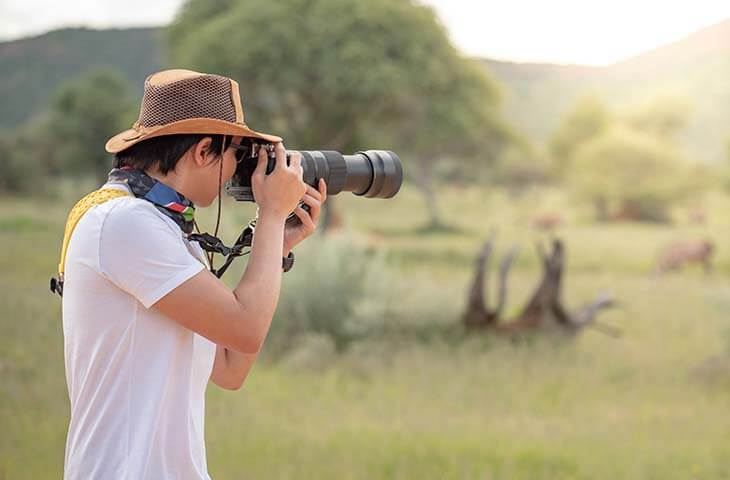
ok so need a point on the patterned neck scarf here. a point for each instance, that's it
(168, 201)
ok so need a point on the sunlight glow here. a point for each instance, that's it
(592, 32)
(572, 31)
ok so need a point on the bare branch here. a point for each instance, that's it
(586, 315)
(609, 330)
(504, 269)
(561, 315)
(477, 297)
(545, 305)
(478, 313)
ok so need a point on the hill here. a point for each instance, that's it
(694, 68)
(31, 69)
(537, 95)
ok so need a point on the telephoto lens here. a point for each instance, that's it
(372, 173)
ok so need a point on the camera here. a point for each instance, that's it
(372, 173)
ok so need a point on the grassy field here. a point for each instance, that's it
(652, 404)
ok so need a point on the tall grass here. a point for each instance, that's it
(651, 404)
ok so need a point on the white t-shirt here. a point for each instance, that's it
(136, 379)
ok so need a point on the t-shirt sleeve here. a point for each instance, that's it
(142, 254)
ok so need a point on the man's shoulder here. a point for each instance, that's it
(135, 214)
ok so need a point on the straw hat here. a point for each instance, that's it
(183, 101)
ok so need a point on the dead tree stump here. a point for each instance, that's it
(544, 311)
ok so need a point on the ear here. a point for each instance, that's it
(202, 154)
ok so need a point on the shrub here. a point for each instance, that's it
(337, 289)
(20, 169)
(636, 175)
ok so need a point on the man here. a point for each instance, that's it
(146, 325)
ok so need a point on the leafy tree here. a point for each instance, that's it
(27, 157)
(13, 178)
(519, 168)
(589, 118)
(630, 173)
(86, 112)
(663, 116)
(628, 165)
(455, 118)
(347, 75)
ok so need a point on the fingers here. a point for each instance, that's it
(321, 194)
(315, 206)
(323, 189)
(295, 163)
(280, 153)
(314, 193)
(261, 165)
(315, 199)
(307, 221)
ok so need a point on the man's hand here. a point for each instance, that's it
(294, 234)
(278, 193)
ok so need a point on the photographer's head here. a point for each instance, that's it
(186, 124)
(192, 164)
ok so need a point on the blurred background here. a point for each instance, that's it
(404, 346)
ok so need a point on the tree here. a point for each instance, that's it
(519, 168)
(454, 118)
(86, 112)
(589, 118)
(663, 117)
(336, 74)
(629, 166)
(28, 156)
(13, 174)
(633, 174)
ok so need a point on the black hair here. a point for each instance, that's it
(165, 151)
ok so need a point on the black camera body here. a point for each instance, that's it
(372, 173)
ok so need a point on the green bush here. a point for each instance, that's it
(630, 175)
(20, 169)
(521, 168)
(337, 289)
(588, 119)
(11, 176)
(87, 111)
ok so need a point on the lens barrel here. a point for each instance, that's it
(371, 174)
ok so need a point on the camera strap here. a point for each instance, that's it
(166, 200)
(182, 211)
(213, 244)
(97, 197)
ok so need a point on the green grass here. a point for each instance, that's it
(649, 405)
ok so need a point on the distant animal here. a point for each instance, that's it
(683, 252)
(546, 221)
(698, 216)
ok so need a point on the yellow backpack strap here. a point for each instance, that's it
(94, 198)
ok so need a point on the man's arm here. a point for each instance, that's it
(239, 320)
(231, 368)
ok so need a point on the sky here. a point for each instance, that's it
(588, 32)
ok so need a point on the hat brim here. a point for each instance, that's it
(127, 138)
